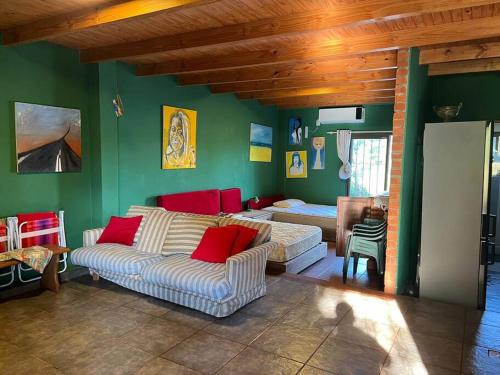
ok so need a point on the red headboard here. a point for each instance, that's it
(264, 202)
(231, 201)
(204, 202)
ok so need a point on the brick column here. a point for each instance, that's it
(399, 121)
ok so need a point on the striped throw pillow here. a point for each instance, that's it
(154, 233)
(185, 233)
(138, 211)
(264, 229)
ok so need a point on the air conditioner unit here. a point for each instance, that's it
(346, 115)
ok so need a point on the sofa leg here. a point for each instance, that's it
(95, 275)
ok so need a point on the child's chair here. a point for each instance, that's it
(41, 228)
(6, 245)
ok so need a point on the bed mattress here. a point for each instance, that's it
(322, 216)
(293, 240)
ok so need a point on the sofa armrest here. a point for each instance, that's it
(247, 270)
(91, 236)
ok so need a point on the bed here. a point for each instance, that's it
(318, 215)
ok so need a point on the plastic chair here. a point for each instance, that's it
(6, 245)
(46, 229)
(368, 239)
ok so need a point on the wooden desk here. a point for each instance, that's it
(50, 277)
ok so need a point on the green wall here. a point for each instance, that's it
(412, 169)
(324, 186)
(223, 133)
(50, 75)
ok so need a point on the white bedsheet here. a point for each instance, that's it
(308, 210)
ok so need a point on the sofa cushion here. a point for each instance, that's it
(244, 239)
(140, 211)
(185, 233)
(120, 230)
(264, 229)
(216, 245)
(155, 230)
(113, 258)
(179, 271)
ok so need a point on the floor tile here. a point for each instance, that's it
(13, 360)
(161, 366)
(483, 335)
(115, 357)
(49, 301)
(476, 317)
(151, 305)
(430, 350)
(204, 352)
(290, 342)
(324, 317)
(188, 317)
(271, 279)
(290, 291)
(267, 307)
(254, 362)
(238, 327)
(478, 360)
(366, 332)
(443, 310)
(20, 308)
(158, 335)
(119, 296)
(308, 370)
(86, 285)
(340, 357)
(395, 365)
(435, 325)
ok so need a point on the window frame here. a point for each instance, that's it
(373, 135)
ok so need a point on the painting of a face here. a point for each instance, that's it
(179, 138)
(318, 153)
(318, 143)
(296, 164)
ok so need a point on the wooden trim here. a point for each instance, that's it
(472, 51)
(96, 16)
(469, 66)
(341, 15)
(331, 100)
(363, 87)
(486, 27)
(336, 79)
(373, 61)
(334, 103)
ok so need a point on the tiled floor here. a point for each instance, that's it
(330, 269)
(99, 328)
(493, 288)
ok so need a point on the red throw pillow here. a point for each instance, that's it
(245, 237)
(121, 230)
(216, 245)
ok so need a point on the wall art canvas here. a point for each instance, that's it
(179, 138)
(295, 131)
(296, 164)
(261, 143)
(48, 139)
(318, 153)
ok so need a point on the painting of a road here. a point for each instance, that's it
(48, 139)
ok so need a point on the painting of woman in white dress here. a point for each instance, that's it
(318, 153)
(295, 131)
(296, 162)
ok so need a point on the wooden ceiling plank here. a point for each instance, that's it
(468, 66)
(363, 87)
(326, 97)
(339, 16)
(87, 18)
(472, 51)
(336, 79)
(422, 36)
(335, 103)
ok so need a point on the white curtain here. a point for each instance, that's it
(343, 147)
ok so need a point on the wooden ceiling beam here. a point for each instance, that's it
(470, 29)
(336, 79)
(96, 16)
(460, 67)
(374, 61)
(472, 51)
(329, 101)
(359, 87)
(341, 15)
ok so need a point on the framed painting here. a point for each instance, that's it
(294, 131)
(179, 138)
(296, 164)
(261, 143)
(318, 153)
(48, 139)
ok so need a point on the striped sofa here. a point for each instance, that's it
(166, 270)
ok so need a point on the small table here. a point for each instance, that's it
(255, 214)
(50, 277)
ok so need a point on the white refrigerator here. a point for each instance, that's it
(455, 212)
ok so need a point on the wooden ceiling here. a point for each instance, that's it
(289, 53)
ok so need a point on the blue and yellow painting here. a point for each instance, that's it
(261, 143)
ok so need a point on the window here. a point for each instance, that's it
(370, 161)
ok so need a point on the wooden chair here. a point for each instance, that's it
(6, 245)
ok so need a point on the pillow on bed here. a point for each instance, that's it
(289, 203)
